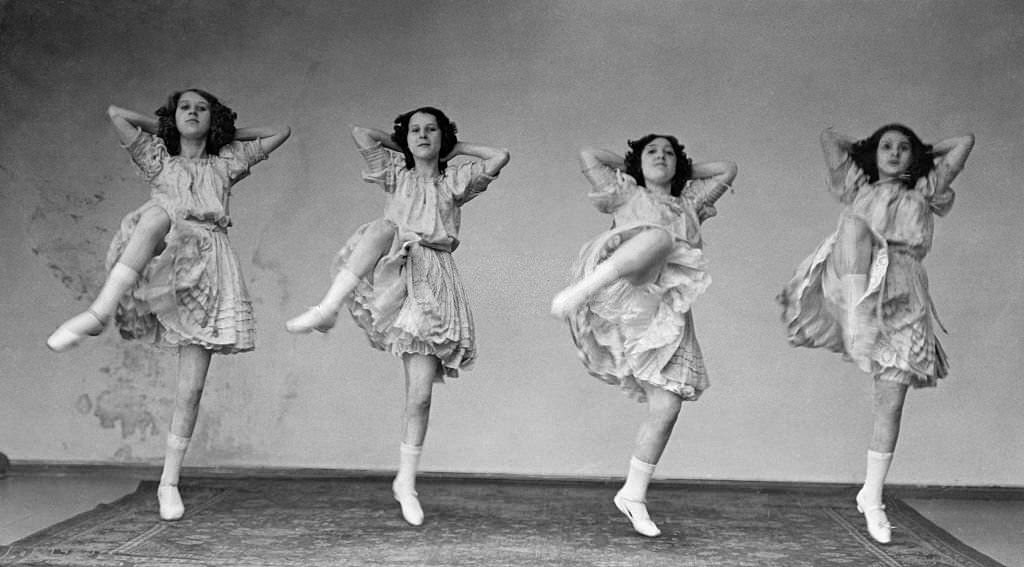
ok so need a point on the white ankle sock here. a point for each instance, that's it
(637, 480)
(408, 463)
(173, 456)
(168, 496)
(341, 287)
(572, 297)
(874, 477)
(120, 279)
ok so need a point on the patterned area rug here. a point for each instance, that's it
(318, 522)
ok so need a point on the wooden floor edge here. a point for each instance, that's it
(152, 471)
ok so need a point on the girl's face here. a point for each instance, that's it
(893, 155)
(192, 117)
(424, 137)
(658, 162)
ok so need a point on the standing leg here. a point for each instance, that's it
(852, 261)
(662, 410)
(636, 260)
(145, 241)
(888, 412)
(193, 365)
(420, 372)
(376, 240)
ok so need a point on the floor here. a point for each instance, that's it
(33, 501)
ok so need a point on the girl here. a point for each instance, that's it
(172, 275)
(629, 308)
(864, 291)
(397, 274)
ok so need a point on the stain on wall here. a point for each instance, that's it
(131, 399)
(65, 236)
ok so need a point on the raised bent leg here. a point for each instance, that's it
(193, 366)
(638, 260)
(144, 243)
(852, 260)
(374, 242)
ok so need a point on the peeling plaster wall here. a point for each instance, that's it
(750, 82)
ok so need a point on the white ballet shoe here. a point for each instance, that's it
(171, 506)
(315, 318)
(74, 330)
(411, 510)
(636, 512)
(878, 523)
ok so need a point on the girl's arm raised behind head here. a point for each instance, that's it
(954, 151)
(366, 138)
(128, 122)
(593, 157)
(270, 138)
(720, 171)
(721, 174)
(837, 147)
(494, 159)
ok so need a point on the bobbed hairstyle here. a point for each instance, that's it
(684, 165)
(865, 154)
(222, 123)
(449, 135)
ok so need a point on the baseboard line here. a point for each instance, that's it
(151, 471)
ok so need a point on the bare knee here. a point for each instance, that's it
(188, 400)
(657, 241)
(380, 231)
(663, 410)
(889, 400)
(641, 257)
(418, 404)
(154, 221)
(147, 239)
(890, 410)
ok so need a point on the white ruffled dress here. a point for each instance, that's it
(192, 291)
(413, 301)
(625, 334)
(902, 221)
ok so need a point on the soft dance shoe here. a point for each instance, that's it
(636, 512)
(74, 330)
(314, 319)
(171, 506)
(878, 523)
(411, 510)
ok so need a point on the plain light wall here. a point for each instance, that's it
(751, 82)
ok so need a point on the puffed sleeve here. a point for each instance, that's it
(469, 180)
(937, 189)
(704, 193)
(609, 187)
(240, 156)
(382, 166)
(148, 153)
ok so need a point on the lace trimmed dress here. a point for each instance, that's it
(901, 220)
(192, 291)
(413, 300)
(628, 334)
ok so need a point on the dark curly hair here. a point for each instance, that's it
(448, 135)
(222, 123)
(684, 165)
(865, 154)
